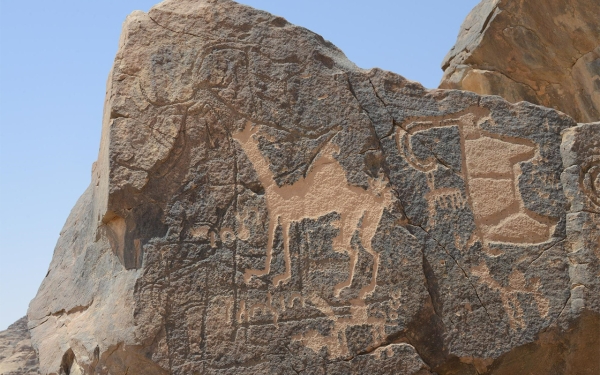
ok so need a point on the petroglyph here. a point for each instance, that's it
(344, 318)
(338, 342)
(279, 210)
(590, 182)
(490, 168)
(323, 190)
(517, 285)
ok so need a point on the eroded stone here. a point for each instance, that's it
(542, 51)
(17, 356)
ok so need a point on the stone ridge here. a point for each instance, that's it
(545, 52)
(260, 205)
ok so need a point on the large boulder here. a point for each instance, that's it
(260, 205)
(542, 51)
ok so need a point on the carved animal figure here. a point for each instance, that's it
(323, 190)
(490, 167)
(517, 285)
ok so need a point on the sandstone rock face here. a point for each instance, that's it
(17, 356)
(542, 51)
(260, 205)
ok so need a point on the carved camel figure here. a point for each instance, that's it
(323, 190)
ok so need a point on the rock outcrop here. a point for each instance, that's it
(542, 51)
(260, 205)
(17, 356)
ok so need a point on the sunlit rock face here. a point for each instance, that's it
(260, 205)
(545, 52)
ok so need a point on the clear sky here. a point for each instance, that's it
(54, 61)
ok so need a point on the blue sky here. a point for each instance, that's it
(54, 60)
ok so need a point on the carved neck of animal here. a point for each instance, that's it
(246, 139)
(325, 181)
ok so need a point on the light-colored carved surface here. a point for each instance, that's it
(489, 157)
(491, 171)
(322, 191)
(491, 197)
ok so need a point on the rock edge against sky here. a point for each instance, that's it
(544, 52)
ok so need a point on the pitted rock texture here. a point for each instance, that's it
(545, 52)
(17, 356)
(260, 205)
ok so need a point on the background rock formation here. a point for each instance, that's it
(262, 205)
(17, 356)
(543, 51)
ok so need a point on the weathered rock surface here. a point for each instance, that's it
(542, 51)
(17, 356)
(260, 205)
(581, 180)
